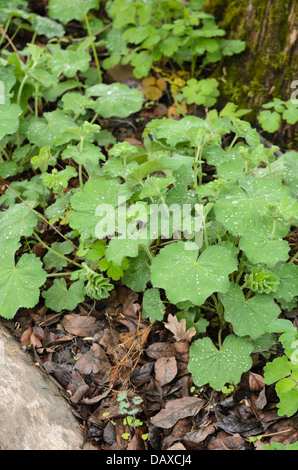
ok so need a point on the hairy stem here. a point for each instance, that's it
(92, 44)
(55, 252)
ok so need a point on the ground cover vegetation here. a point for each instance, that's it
(227, 303)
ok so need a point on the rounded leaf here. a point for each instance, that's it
(184, 276)
(207, 364)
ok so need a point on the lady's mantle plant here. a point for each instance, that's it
(238, 278)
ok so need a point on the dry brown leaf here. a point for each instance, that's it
(80, 325)
(137, 443)
(93, 361)
(256, 382)
(178, 328)
(177, 409)
(193, 438)
(177, 446)
(161, 349)
(165, 370)
(225, 442)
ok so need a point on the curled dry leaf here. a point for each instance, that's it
(193, 438)
(256, 382)
(178, 328)
(165, 370)
(93, 361)
(177, 409)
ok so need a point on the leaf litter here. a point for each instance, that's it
(108, 347)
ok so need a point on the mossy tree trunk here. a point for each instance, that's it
(268, 66)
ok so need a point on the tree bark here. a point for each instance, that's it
(268, 66)
(33, 415)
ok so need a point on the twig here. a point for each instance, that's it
(3, 33)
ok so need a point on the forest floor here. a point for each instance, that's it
(106, 346)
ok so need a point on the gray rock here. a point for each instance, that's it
(33, 413)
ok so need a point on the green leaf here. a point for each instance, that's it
(245, 130)
(16, 222)
(119, 248)
(115, 100)
(57, 180)
(243, 206)
(70, 9)
(76, 103)
(280, 446)
(84, 203)
(29, 191)
(259, 248)
(46, 26)
(231, 170)
(89, 152)
(97, 286)
(288, 404)
(207, 364)
(176, 132)
(291, 113)
(137, 275)
(270, 121)
(19, 282)
(113, 271)
(232, 46)
(288, 281)
(203, 92)
(249, 317)
(261, 280)
(290, 174)
(184, 276)
(68, 61)
(9, 122)
(51, 260)
(276, 370)
(47, 130)
(153, 307)
(59, 298)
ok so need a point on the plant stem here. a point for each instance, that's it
(59, 274)
(80, 175)
(248, 295)
(198, 162)
(25, 78)
(80, 164)
(36, 101)
(219, 338)
(94, 118)
(6, 29)
(273, 228)
(193, 65)
(294, 257)
(148, 252)
(92, 43)
(43, 218)
(55, 252)
(232, 143)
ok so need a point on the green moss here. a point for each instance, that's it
(250, 76)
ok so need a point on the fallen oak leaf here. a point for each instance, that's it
(178, 328)
(176, 410)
